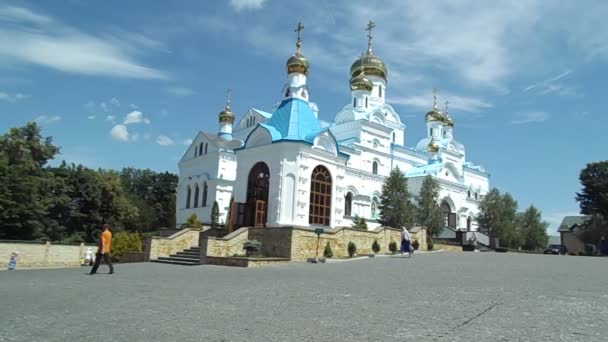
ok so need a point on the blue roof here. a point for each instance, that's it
(262, 113)
(293, 120)
(429, 169)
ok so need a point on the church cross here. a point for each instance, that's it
(228, 95)
(435, 97)
(446, 106)
(299, 31)
(370, 26)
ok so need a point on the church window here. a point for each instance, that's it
(393, 136)
(200, 149)
(188, 194)
(287, 92)
(375, 167)
(195, 151)
(469, 194)
(469, 223)
(204, 194)
(196, 193)
(380, 91)
(320, 196)
(431, 132)
(348, 204)
(476, 195)
(375, 207)
(304, 93)
(206, 145)
(366, 102)
(355, 102)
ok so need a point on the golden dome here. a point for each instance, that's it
(360, 82)
(448, 121)
(434, 115)
(226, 115)
(432, 147)
(371, 65)
(297, 63)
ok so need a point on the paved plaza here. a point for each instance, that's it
(432, 297)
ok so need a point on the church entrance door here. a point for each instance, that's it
(257, 195)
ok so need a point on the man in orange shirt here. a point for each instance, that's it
(103, 251)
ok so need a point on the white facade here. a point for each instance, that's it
(358, 150)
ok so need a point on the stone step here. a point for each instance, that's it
(178, 257)
(186, 255)
(191, 251)
(176, 262)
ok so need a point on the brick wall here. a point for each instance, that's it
(42, 254)
(165, 246)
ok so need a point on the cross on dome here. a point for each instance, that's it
(299, 29)
(370, 26)
(435, 91)
(228, 95)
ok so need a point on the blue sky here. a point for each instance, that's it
(128, 83)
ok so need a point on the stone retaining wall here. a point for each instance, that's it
(42, 254)
(165, 246)
(245, 262)
(226, 246)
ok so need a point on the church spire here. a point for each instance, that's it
(370, 26)
(297, 63)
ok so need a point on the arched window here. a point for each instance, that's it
(355, 102)
(393, 136)
(320, 196)
(375, 167)
(476, 195)
(188, 194)
(366, 102)
(196, 151)
(206, 145)
(375, 204)
(348, 204)
(200, 149)
(380, 91)
(196, 196)
(469, 193)
(469, 223)
(445, 207)
(431, 132)
(204, 194)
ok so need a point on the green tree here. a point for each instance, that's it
(215, 216)
(593, 198)
(193, 222)
(327, 252)
(533, 230)
(396, 208)
(359, 223)
(498, 217)
(428, 212)
(23, 200)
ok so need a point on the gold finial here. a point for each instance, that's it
(370, 26)
(446, 106)
(435, 98)
(299, 42)
(228, 95)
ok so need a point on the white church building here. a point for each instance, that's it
(287, 167)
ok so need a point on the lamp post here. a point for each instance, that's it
(318, 231)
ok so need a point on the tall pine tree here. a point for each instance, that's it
(429, 213)
(533, 230)
(396, 207)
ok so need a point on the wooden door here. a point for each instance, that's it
(260, 213)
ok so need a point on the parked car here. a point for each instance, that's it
(556, 249)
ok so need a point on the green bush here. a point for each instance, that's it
(430, 244)
(352, 249)
(124, 242)
(252, 247)
(415, 245)
(193, 222)
(327, 252)
(375, 246)
(392, 247)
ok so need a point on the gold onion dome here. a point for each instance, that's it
(370, 65)
(432, 147)
(226, 115)
(435, 115)
(297, 63)
(360, 82)
(449, 121)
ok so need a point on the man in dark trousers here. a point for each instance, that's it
(103, 250)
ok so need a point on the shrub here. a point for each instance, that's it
(252, 247)
(392, 247)
(430, 244)
(375, 246)
(124, 242)
(193, 222)
(501, 250)
(359, 223)
(415, 245)
(327, 252)
(215, 216)
(352, 249)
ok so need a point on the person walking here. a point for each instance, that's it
(405, 242)
(103, 251)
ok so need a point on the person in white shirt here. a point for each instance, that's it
(405, 242)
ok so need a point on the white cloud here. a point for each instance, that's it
(552, 85)
(120, 133)
(147, 121)
(44, 119)
(133, 117)
(91, 117)
(532, 116)
(134, 136)
(110, 118)
(187, 142)
(164, 140)
(239, 5)
(133, 106)
(8, 97)
(180, 91)
(50, 43)
(458, 103)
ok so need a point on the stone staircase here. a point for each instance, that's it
(187, 257)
